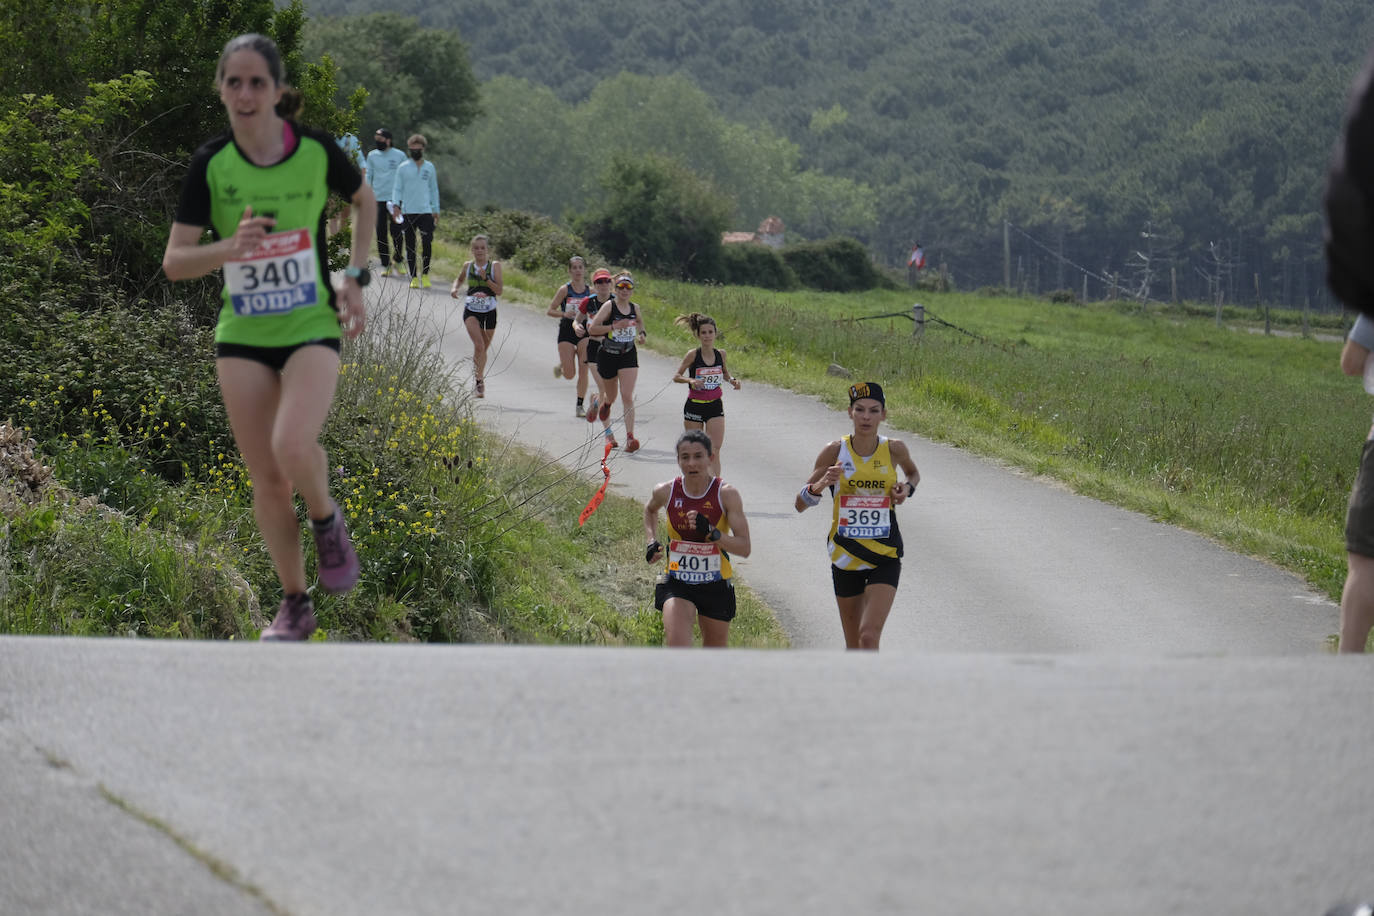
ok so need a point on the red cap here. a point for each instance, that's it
(602, 274)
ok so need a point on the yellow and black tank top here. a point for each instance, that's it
(863, 527)
(691, 559)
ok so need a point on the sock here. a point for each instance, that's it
(579, 402)
(322, 525)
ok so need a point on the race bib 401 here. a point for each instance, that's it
(278, 277)
(694, 561)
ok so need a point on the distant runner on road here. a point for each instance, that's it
(865, 543)
(618, 361)
(567, 306)
(481, 280)
(706, 524)
(703, 371)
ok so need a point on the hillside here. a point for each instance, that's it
(1204, 125)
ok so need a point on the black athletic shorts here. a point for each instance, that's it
(1359, 514)
(273, 358)
(850, 583)
(485, 320)
(701, 411)
(712, 599)
(593, 348)
(566, 334)
(609, 364)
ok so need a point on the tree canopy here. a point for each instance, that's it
(1211, 121)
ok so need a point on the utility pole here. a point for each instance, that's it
(1006, 254)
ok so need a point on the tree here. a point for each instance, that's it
(658, 215)
(417, 79)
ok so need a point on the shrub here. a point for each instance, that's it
(529, 241)
(833, 265)
(755, 265)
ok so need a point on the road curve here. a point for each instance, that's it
(995, 561)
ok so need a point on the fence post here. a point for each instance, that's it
(918, 321)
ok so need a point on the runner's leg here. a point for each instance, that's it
(715, 634)
(251, 392)
(678, 616)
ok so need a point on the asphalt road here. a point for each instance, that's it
(995, 561)
(1123, 720)
(164, 778)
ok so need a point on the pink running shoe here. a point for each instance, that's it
(295, 620)
(604, 412)
(631, 444)
(338, 561)
(591, 410)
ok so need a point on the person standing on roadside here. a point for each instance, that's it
(480, 277)
(617, 360)
(864, 541)
(706, 524)
(703, 371)
(566, 307)
(1350, 274)
(382, 165)
(277, 338)
(416, 195)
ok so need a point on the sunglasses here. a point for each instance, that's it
(624, 286)
(599, 282)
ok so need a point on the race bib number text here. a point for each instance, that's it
(863, 516)
(694, 562)
(480, 303)
(278, 277)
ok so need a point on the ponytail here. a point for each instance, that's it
(694, 321)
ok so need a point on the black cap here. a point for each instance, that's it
(867, 390)
(384, 132)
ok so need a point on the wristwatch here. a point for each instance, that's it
(360, 274)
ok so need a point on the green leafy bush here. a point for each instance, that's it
(755, 265)
(834, 265)
(529, 241)
(658, 215)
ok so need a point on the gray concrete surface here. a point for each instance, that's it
(367, 779)
(995, 561)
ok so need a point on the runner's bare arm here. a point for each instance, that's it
(460, 281)
(186, 258)
(494, 278)
(901, 456)
(681, 374)
(600, 323)
(556, 306)
(737, 541)
(825, 473)
(657, 501)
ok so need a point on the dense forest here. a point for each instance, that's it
(1132, 136)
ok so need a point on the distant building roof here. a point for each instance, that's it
(738, 238)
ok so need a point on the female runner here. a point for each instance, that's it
(618, 361)
(703, 370)
(277, 338)
(567, 306)
(865, 542)
(706, 524)
(481, 278)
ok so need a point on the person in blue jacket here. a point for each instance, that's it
(382, 164)
(416, 193)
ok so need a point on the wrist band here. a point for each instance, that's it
(811, 499)
(910, 489)
(650, 550)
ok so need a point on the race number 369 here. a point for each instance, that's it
(865, 516)
(276, 278)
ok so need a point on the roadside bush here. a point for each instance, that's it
(755, 265)
(834, 265)
(529, 241)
